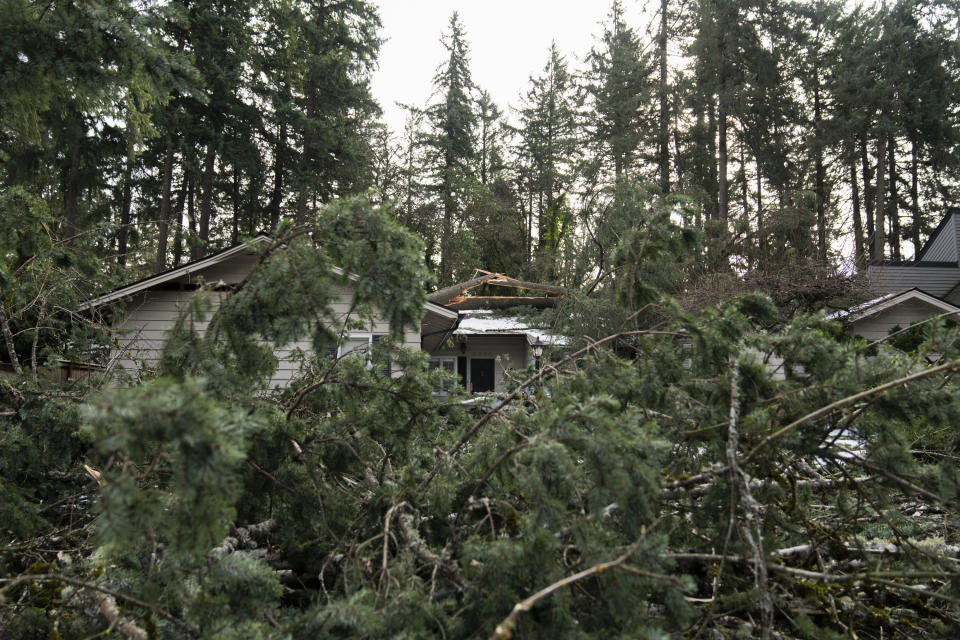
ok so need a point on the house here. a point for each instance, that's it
(912, 291)
(142, 313)
(485, 347)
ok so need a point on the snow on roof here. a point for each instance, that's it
(889, 300)
(843, 313)
(476, 323)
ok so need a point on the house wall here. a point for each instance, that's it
(879, 325)
(142, 333)
(509, 351)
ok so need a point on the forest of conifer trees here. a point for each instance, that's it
(711, 455)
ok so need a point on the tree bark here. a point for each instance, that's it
(722, 186)
(820, 173)
(277, 196)
(206, 201)
(663, 140)
(72, 193)
(878, 232)
(178, 230)
(192, 220)
(868, 195)
(235, 230)
(126, 202)
(8, 339)
(915, 196)
(311, 112)
(164, 222)
(893, 210)
(858, 253)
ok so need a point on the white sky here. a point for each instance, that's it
(508, 39)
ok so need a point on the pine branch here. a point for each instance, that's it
(953, 365)
(506, 627)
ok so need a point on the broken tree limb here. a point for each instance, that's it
(505, 629)
(447, 293)
(464, 303)
(504, 281)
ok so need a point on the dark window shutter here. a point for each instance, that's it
(388, 367)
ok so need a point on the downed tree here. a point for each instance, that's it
(453, 296)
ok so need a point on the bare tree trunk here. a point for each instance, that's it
(72, 193)
(893, 210)
(915, 196)
(178, 230)
(868, 195)
(722, 187)
(8, 339)
(663, 140)
(164, 222)
(878, 232)
(192, 220)
(235, 230)
(277, 196)
(820, 174)
(311, 113)
(761, 240)
(125, 204)
(858, 252)
(206, 200)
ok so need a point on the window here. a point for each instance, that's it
(449, 366)
(359, 346)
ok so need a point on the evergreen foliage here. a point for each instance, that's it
(702, 460)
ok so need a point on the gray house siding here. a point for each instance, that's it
(879, 325)
(509, 351)
(147, 317)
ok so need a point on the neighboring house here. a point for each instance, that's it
(142, 313)
(914, 291)
(484, 348)
(876, 319)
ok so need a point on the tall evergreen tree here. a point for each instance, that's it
(451, 119)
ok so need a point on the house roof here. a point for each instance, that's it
(172, 274)
(208, 261)
(480, 323)
(884, 302)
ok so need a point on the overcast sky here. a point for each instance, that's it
(508, 39)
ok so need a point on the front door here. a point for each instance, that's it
(482, 375)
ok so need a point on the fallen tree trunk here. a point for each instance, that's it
(500, 302)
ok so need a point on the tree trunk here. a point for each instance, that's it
(8, 339)
(722, 186)
(277, 196)
(206, 201)
(820, 174)
(878, 231)
(663, 140)
(125, 204)
(761, 240)
(164, 222)
(893, 210)
(311, 113)
(235, 230)
(915, 196)
(72, 193)
(858, 253)
(178, 230)
(192, 218)
(868, 195)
